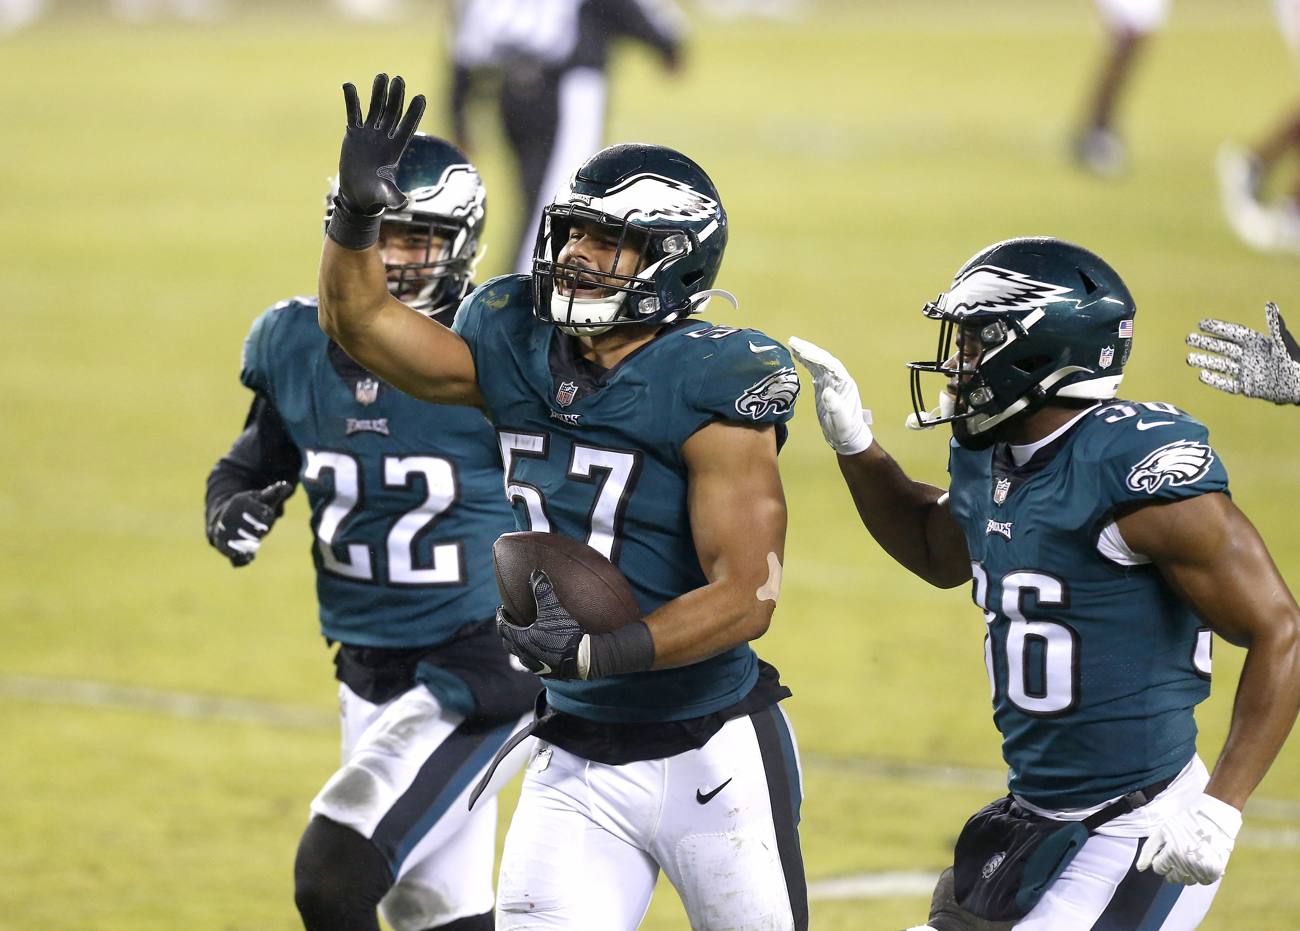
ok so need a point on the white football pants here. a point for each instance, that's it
(1102, 890)
(588, 840)
(408, 769)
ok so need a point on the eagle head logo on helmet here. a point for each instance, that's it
(989, 288)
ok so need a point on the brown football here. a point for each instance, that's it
(588, 585)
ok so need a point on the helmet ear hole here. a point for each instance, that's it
(1032, 364)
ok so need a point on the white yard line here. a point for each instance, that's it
(177, 704)
(873, 886)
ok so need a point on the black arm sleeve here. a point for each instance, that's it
(262, 455)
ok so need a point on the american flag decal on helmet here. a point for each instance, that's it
(1126, 329)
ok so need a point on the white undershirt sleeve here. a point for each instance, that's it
(1111, 545)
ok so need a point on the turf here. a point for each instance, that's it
(163, 183)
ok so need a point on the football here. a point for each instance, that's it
(588, 585)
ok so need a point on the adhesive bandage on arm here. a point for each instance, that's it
(771, 589)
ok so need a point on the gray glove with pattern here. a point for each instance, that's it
(1247, 362)
(553, 645)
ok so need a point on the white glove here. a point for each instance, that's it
(839, 407)
(1193, 846)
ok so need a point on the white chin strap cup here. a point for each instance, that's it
(947, 405)
(585, 316)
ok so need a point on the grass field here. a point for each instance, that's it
(163, 183)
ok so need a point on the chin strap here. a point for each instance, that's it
(928, 421)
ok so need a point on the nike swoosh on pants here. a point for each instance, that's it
(705, 799)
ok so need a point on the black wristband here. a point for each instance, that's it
(352, 229)
(628, 649)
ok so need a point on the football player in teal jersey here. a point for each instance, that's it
(406, 503)
(1104, 551)
(624, 422)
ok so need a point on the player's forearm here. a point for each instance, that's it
(1268, 699)
(413, 353)
(708, 621)
(901, 515)
(353, 293)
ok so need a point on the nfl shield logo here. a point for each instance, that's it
(1107, 355)
(367, 391)
(1001, 490)
(566, 393)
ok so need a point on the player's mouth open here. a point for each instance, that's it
(580, 287)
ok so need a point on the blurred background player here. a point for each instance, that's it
(1244, 174)
(653, 437)
(545, 62)
(1129, 24)
(406, 503)
(15, 14)
(1238, 360)
(1104, 549)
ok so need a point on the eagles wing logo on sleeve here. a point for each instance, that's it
(988, 287)
(773, 394)
(1180, 463)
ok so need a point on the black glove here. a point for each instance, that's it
(555, 647)
(368, 163)
(236, 527)
(549, 646)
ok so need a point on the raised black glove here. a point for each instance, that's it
(368, 162)
(236, 527)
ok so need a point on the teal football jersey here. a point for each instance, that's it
(597, 456)
(405, 496)
(1095, 664)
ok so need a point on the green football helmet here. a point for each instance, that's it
(654, 202)
(1031, 319)
(447, 203)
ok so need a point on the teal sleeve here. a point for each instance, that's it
(1162, 457)
(255, 360)
(469, 321)
(750, 378)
